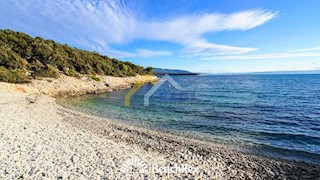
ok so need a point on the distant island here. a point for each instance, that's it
(160, 71)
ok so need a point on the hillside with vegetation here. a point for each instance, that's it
(23, 58)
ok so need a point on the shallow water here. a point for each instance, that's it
(277, 115)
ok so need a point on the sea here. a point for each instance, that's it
(271, 115)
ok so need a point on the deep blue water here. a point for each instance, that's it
(276, 115)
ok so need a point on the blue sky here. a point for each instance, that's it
(197, 35)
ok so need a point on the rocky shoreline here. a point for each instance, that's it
(71, 86)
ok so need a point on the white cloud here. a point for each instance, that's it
(144, 53)
(204, 48)
(189, 30)
(309, 49)
(149, 53)
(97, 25)
(263, 56)
(119, 54)
(94, 25)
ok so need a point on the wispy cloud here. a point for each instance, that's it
(204, 48)
(263, 56)
(143, 53)
(149, 53)
(189, 31)
(97, 25)
(308, 49)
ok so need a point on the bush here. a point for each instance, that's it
(53, 72)
(12, 76)
(96, 78)
(47, 71)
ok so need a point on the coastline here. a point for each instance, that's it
(71, 86)
(42, 139)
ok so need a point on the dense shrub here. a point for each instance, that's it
(46, 58)
(96, 78)
(46, 71)
(12, 76)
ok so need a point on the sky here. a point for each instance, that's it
(211, 36)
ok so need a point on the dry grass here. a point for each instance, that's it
(141, 80)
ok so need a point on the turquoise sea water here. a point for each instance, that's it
(275, 115)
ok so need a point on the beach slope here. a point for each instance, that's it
(40, 139)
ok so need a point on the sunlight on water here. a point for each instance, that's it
(268, 114)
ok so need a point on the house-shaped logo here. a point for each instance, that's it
(157, 86)
(147, 96)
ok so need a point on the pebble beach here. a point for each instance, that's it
(40, 139)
